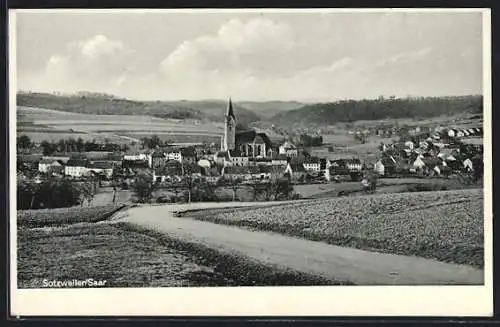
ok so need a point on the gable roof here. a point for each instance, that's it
(100, 165)
(297, 167)
(77, 163)
(48, 161)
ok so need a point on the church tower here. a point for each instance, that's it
(229, 128)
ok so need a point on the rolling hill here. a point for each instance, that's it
(268, 109)
(352, 110)
(104, 104)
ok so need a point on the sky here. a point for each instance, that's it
(257, 56)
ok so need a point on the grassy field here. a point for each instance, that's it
(64, 216)
(127, 256)
(446, 226)
(45, 124)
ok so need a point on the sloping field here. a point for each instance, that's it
(46, 124)
(446, 226)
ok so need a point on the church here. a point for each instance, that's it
(242, 143)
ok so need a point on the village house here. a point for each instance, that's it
(173, 155)
(295, 170)
(188, 155)
(279, 160)
(57, 171)
(385, 166)
(237, 158)
(76, 168)
(45, 164)
(288, 149)
(139, 156)
(312, 164)
(104, 168)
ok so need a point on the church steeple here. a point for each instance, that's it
(230, 128)
(230, 112)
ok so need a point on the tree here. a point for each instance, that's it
(24, 142)
(143, 188)
(233, 182)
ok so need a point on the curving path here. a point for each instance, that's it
(339, 263)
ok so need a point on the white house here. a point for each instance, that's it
(174, 155)
(312, 164)
(101, 167)
(288, 149)
(451, 133)
(45, 164)
(133, 156)
(468, 164)
(419, 163)
(409, 145)
(76, 168)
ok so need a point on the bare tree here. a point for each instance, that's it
(234, 182)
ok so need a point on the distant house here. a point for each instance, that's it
(223, 158)
(279, 160)
(312, 164)
(295, 170)
(468, 164)
(237, 158)
(104, 168)
(76, 168)
(45, 164)
(56, 170)
(188, 155)
(138, 156)
(288, 149)
(419, 163)
(385, 166)
(173, 155)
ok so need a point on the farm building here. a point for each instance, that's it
(279, 160)
(288, 149)
(45, 164)
(237, 158)
(312, 164)
(295, 170)
(385, 166)
(104, 168)
(138, 156)
(76, 168)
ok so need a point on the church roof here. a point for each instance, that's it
(230, 112)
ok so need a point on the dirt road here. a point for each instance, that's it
(359, 267)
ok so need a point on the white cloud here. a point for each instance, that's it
(93, 64)
(258, 57)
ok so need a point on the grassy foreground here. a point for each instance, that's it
(64, 216)
(126, 256)
(446, 226)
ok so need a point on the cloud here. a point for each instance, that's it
(98, 46)
(255, 45)
(265, 57)
(93, 64)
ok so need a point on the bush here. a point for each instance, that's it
(51, 193)
(426, 187)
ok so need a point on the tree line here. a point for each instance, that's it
(381, 108)
(70, 145)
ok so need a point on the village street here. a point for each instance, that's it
(337, 263)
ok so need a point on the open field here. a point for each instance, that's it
(127, 256)
(45, 124)
(64, 216)
(446, 226)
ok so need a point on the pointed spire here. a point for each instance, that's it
(230, 112)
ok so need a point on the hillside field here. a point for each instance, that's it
(46, 124)
(443, 225)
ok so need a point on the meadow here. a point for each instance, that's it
(76, 243)
(46, 124)
(446, 225)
